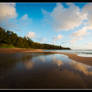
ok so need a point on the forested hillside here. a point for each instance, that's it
(11, 39)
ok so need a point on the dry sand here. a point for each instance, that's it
(15, 50)
(85, 60)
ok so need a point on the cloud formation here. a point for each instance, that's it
(78, 35)
(25, 17)
(7, 11)
(62, 19)
(31, 35)
(8, 17)
(88, 10)
(66, 18)
(58, 37)
(24, 20)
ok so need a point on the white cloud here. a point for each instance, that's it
(31, 35)
(58, 37)
(7, 11)
(66, 18)
(25, 17)
(25, 20)
(62, 19)
(88, 10)
(74, 40)
(79, 34)
(8, 17)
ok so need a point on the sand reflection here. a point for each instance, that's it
(45, 71)
(57, 61)
(41, 59)
(29, 64)
(81, 67)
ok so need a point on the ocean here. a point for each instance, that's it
(83, 53)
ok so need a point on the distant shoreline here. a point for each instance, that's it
(85, 60)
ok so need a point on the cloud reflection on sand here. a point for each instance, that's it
(42, 59)
(29, 64)
(81, 67)
(64, 62)
(57, 61)
(73, 65)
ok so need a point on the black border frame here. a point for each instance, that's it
(43, 1)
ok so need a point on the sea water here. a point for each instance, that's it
(83, 53)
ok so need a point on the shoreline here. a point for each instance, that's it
(85, 60)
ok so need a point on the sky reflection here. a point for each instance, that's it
(61, 61)
(45, 71)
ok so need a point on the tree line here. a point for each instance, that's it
(11, 38)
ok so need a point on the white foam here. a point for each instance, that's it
(85, 55)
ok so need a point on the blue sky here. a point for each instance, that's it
(66, 24)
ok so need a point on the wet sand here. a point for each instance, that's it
(85, 60)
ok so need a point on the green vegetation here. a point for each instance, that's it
(8, 39)
(6, 46)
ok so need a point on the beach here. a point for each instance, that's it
(84, 60)
(43, 69)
